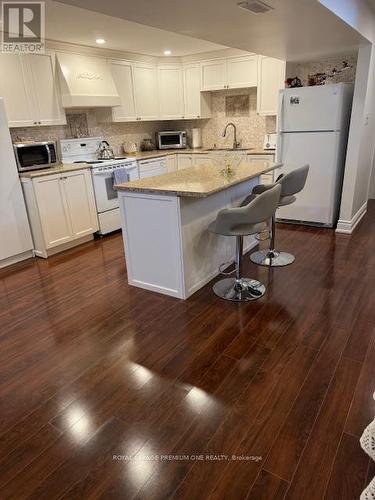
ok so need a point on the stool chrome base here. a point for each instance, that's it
(272, 258)
(242, 290)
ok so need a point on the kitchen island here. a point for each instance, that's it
(168, 248)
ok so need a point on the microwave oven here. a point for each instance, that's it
(171, 139)
(35, 155)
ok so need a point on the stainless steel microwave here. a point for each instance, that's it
(35, 155)
(171, 139)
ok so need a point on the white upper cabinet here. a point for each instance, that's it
(231, 72)
(271, 78)
(122, 72)
(146, 91)
(45, 90)
(197, 103)
(171, 92)
(14, 89)
(214, 74)
(30, 89)
(242, 72)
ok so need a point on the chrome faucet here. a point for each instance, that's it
(235, 143)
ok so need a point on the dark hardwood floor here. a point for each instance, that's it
(93, 372)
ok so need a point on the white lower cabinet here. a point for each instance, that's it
(61, 209)
(267, 178)
(171, 161)
(202, 160)
(184, 161)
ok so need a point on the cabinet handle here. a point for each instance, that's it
(39, 123)
(35, 123)
(198, 116)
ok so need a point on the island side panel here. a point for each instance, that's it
(152, 241)
(204, 252)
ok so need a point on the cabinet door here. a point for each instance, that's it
(171, 92)
(53, 210)
(15, 90)
(146, 94)
(171, 161)
(45, 89)
(267, 178)
(203, 160)
(194, 105)
(271, 76)
(123, 76)
(214, 75)
(242, 72)
(80, 201)
(184, 161)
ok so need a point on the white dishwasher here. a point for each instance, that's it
(152, 167)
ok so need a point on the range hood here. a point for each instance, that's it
(86, 82)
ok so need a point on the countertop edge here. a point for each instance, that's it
(61, 169)
(193, 194)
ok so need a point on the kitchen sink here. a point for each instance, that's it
(228, 149)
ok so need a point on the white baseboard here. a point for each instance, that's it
(348, 226)
(16, 258)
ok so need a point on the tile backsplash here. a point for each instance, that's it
(121, 136)
(304, 69)
(251, 127)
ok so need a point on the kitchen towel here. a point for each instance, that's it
(120, 175)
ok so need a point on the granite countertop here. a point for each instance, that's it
(59, 169)
(198, 182)
(157, 153)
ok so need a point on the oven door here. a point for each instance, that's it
(106, 197)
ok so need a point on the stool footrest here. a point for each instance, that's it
(272, 258)
(239, 290)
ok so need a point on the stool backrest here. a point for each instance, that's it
(294, 181)
(261, 209)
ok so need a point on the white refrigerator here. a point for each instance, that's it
(15, 237)
(313, 125)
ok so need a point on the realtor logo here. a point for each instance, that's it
(23, 27)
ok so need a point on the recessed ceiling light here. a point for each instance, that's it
(100, 41)
(167, 52)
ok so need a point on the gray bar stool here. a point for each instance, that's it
(291, 184)
(240, 222)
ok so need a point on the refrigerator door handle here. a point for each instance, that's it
(279, 147)
(280, 113)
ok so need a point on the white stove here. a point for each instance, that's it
(107, 204)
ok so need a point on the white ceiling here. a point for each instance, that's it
(294, 30)
(71, 24)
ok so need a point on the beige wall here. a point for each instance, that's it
(251, 128)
